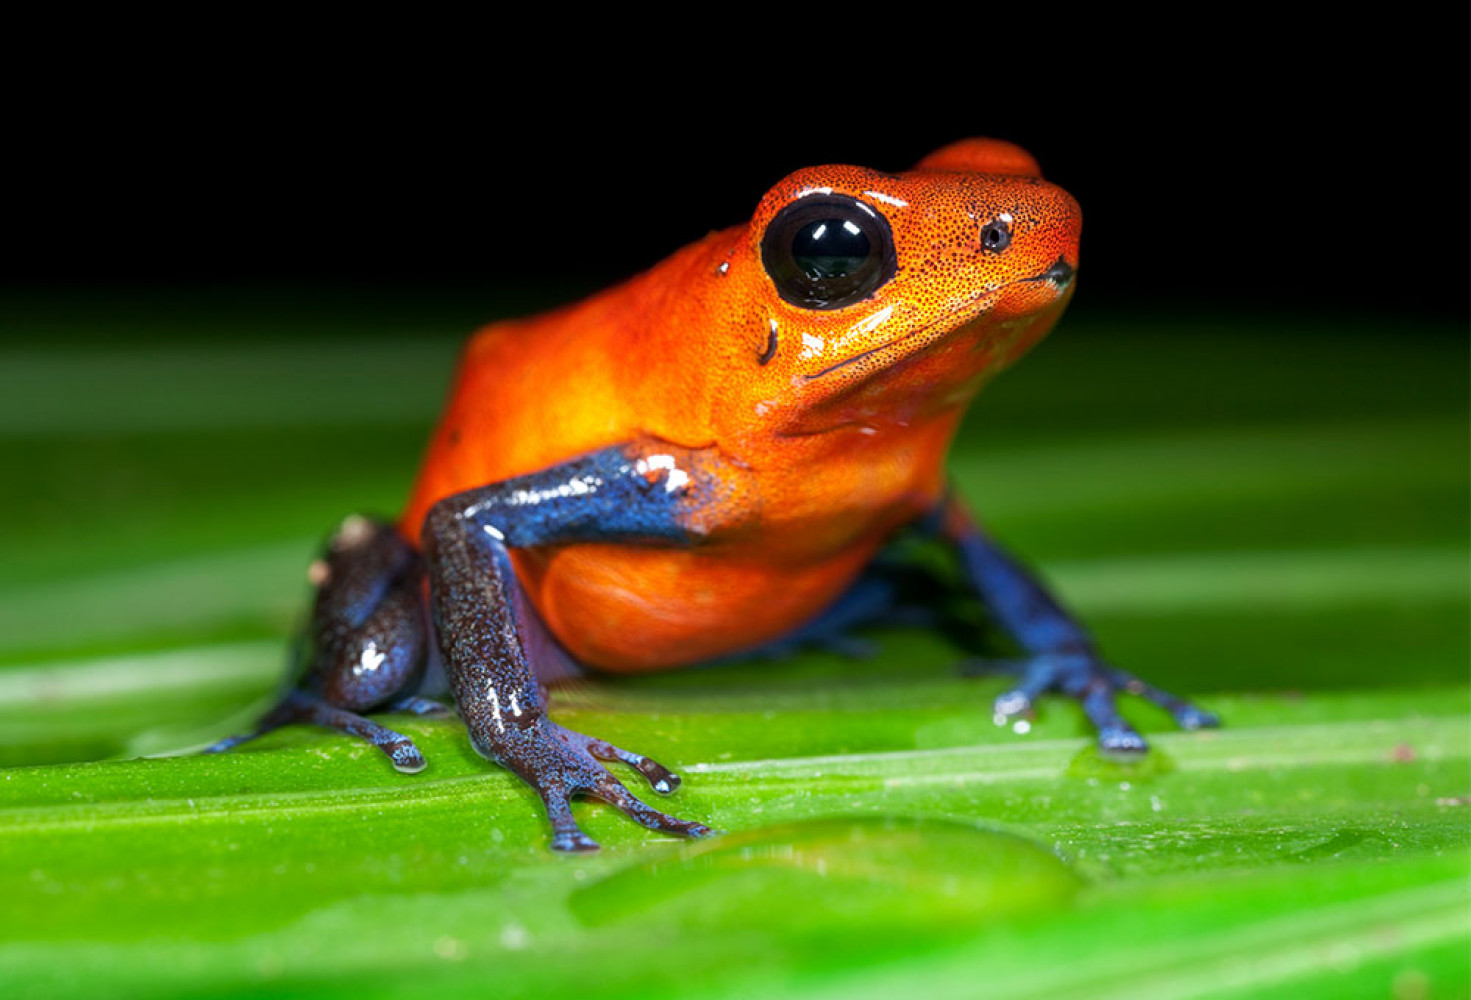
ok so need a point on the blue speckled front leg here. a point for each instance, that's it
(1062, 656)
(491, 639)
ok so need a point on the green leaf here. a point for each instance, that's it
(1273, 520)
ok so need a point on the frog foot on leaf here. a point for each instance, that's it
(1095, 685)
(561, 764)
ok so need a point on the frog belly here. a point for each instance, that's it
(633, 610)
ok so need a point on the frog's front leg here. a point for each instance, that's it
(492, 640)
(1061, 653)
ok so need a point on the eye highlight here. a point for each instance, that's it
(828, 252)
(996, 235)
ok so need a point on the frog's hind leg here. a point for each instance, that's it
(888, 593)
(300, 706)
(365, 649)
(1060, 654)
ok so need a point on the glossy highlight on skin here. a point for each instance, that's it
(705, 461)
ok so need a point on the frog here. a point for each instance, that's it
(713, 459)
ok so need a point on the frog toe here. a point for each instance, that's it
(611, 792)
(562, 764)
(228, 743)
(660, 778)
(305, 707)
(1095, 686)
(1116, 738)
(573, 842)
(1121, 741)
(1185, 714)
(567, 836)
(1036, 677)
(406, 757)
(1191, 717)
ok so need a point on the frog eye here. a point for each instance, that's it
(826, 252)
(996, 235)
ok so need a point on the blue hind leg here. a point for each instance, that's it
(300, 706)
(1061, 656)
(889, 592)
(365, 649)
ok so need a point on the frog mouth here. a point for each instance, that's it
(1060, 274)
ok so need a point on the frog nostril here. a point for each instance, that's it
(1061, 272)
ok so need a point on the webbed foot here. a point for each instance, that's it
(1094, 684)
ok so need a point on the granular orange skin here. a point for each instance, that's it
(840, 437)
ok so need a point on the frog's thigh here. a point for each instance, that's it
(368, 624)
(366, 645)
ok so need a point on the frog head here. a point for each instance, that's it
(866, 298)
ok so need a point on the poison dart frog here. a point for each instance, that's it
(706, 461)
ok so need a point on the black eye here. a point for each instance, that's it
(996, 236)
(826, 252)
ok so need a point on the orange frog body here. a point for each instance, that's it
(706, 460)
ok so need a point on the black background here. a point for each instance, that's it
(1237, 162)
